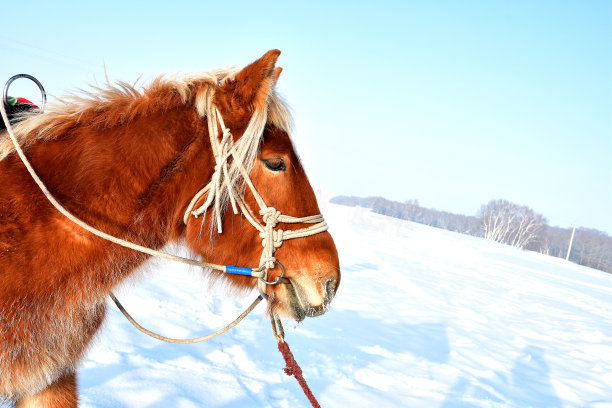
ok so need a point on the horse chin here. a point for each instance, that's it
(298, 305)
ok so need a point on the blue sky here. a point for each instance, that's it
(451, 103)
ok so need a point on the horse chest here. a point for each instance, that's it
(41, 343)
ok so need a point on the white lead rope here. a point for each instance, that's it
(185, 341)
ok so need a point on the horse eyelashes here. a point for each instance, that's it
(275, 164)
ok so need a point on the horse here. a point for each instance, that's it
(130, 162)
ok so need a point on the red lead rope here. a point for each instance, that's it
(293, 369)
(291, 366)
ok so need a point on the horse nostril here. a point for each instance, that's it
(330, 288)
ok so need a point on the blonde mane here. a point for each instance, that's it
(110, 105)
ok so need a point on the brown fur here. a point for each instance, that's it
(60, 394)
(128, 163)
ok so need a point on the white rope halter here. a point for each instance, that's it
(223, 180)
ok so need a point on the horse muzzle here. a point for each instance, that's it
(302, 297)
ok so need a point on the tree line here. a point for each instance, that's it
(505, 222)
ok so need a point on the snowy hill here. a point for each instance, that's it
(423, 318)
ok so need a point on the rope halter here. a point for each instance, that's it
(222, 187)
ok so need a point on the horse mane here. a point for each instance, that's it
(112, 105)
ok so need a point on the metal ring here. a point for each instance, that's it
(278, 278)
(31, 78)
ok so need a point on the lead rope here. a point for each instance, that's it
(291, 366)
(185, 341)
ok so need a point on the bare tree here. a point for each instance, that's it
(509, 223)
(502, 221)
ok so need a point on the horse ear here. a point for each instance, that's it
(275, 75)
(252, 84)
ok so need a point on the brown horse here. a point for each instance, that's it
(129, 162)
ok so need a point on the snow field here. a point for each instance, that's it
(423, 318)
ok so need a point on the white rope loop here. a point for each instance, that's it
(185, 341)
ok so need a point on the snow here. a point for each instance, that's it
(423, 318)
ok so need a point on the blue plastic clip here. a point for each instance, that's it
(238, 270)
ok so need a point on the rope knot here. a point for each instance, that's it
(277, 238)
(269, 262)
(270, 215)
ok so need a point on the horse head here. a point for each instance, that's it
(271, 182)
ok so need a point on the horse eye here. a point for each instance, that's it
(275, 164)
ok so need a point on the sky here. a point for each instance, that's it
(449, 103)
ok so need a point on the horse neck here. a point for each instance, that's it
(133, 180)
